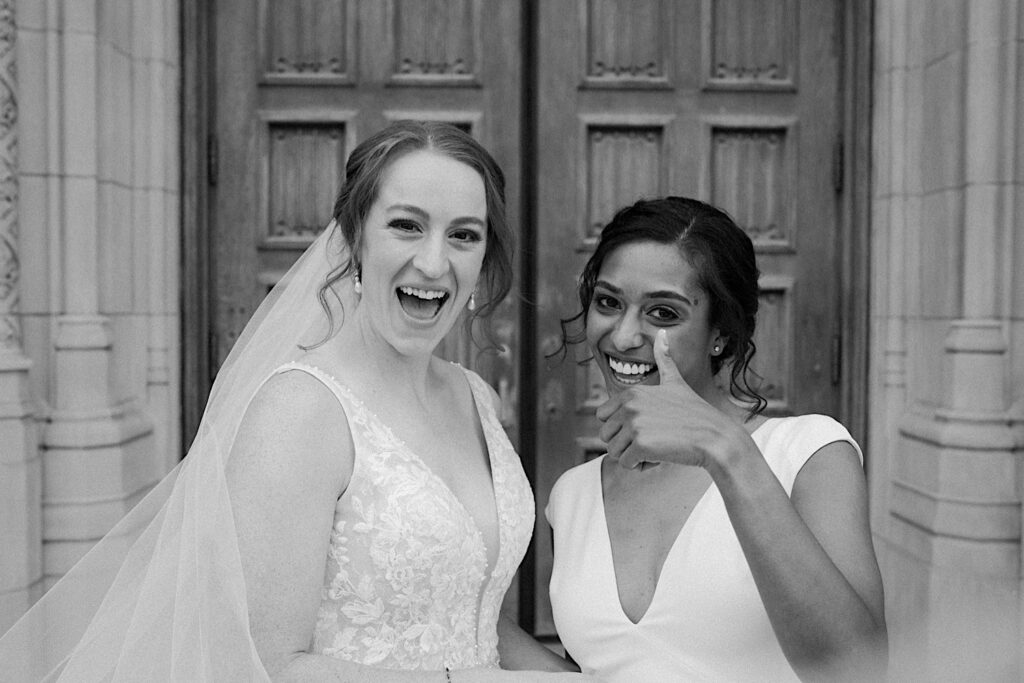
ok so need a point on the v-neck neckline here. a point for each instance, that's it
(436, 478)
(688, 524)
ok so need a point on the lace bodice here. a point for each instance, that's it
(406, 584)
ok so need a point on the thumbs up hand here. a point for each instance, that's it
(669, 422)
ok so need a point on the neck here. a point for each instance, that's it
(366, 355)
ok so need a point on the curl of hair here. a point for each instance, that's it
(720, 252)
(364, 174)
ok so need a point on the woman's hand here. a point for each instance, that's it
(669, 422)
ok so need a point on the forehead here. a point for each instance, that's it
(428, 177)
(641, 267)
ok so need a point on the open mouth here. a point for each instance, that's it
(628, 372)
(421, 304)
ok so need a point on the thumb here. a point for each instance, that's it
(668, 373)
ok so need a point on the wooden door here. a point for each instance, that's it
(298, 83)
(731, 101)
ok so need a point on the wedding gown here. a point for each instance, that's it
(407, 583)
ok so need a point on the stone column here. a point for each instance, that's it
(956, 496)
(20, 476)
(97, 446)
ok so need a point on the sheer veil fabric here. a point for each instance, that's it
(162, 596)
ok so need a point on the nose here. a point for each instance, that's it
(628, 332)
(432, 257)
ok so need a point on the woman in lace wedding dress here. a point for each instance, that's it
(351, 508)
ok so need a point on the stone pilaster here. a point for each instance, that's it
(20, 476)
(953, 577)
(98, 445)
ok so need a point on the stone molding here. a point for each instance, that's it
(10, 329)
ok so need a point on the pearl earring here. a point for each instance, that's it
(357, 283)
(472, 302)
(716, 349)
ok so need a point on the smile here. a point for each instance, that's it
(626, 372)
(421, 304)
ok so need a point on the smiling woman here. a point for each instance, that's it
(709, 542)
(351, 508)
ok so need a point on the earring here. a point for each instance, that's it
(716, 349)
(357, 282)
(472, 302)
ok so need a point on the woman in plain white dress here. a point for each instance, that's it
(709, 542)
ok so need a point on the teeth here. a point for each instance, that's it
(629, 368)
(421, 293)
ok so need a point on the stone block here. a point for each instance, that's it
(37, 344)
(116, 255)
(944, 23)
(79, 242)
(145, 36)
(33, 106)
(78, 92)
(942, 254)
(942, 165)
(115, 123)
(80, 17)
(34, 247)
(30, 14)
(925, 358)
(114, 23)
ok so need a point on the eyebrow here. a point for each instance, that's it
(659, 294)
(410, 208)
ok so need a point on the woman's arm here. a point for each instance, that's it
(521, 651)
(812, 560)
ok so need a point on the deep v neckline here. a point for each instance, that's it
(412, 455)
(665, 561)
(685, 528)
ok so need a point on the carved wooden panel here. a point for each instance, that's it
(304, 155)
(750, 44)
(752, 176)
(435, 42)
(306, 167)
(623, 162)
(626, 43)
(308, 41)
(774, 339)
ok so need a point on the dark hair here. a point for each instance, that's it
(720, 252)
(364, 172)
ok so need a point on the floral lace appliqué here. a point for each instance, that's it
(406, 584)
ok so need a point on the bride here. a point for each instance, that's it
(351, 508)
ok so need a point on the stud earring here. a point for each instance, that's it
(472, 302)
(716, 349)
(357, 282)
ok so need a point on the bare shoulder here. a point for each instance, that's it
(294, 427)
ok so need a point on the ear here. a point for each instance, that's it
(718, 343)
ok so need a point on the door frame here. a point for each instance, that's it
(852, 175)
(197, 181)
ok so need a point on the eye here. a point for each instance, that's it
(663, 314)
(604, 302)
(466, 235)
(403, 225)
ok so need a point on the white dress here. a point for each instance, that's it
(406, 584)
(706, 621)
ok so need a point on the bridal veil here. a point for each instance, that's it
(162, 595)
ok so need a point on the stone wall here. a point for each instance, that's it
(97, 304)
(947, 406)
